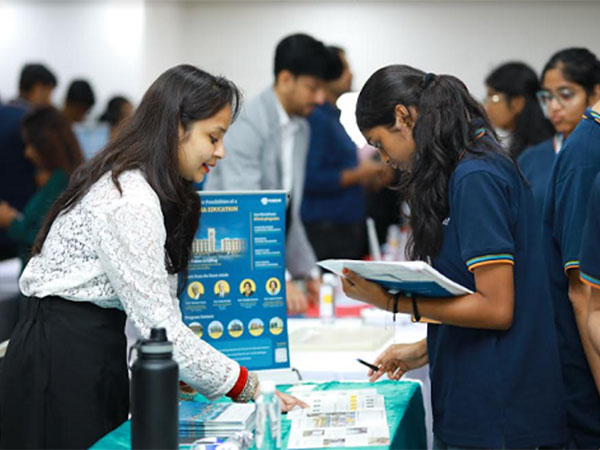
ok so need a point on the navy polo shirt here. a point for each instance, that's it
(491, 388)
(536, 164)
(331, 151)
(590, 245)
(564, 216)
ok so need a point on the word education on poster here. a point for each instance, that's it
(235, 292)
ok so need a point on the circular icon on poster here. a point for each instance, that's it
(235, 328)
(273, 286)
(195, 290)
(247, 287)
(256, 327)
(276, 325)
(215, 329)
(196, 327)
(222, 289)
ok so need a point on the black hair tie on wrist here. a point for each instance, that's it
(428, 79)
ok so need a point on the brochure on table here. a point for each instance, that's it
(339, 419)
(412, 277)
(234, 297)
(201, 419)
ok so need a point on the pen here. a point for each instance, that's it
(373, 367)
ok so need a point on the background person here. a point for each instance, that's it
(52, 148)
(512, 106)
(570, 83)
(269, 145)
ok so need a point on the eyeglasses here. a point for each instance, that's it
(563, 97)
(492, 98)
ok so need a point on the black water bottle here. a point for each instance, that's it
(154, 397)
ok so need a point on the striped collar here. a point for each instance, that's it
(592, 115)
(478, 134)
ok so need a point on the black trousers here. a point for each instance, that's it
(64, 381)
(337, 240)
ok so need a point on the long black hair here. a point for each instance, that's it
(578, 65)
(447, 119)
(149, 141)
(516, 79)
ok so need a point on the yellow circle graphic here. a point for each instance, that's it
(273, 286)
(256, 327)
(195, 290)
(215, 329)
(247, 287)
(196, 327)
(235, 328)
(276, 325)
(222, 289)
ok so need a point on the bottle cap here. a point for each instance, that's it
(157, 344)
(329, 278)
(267, 387)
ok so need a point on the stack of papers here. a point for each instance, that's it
(339, 419)
(201, 419)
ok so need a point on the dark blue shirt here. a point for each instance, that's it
(590, 244)
(16, 172)
(565, 212)
(492, 388)
(536, 164)
(331, 152)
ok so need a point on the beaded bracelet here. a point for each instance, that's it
(249, 390)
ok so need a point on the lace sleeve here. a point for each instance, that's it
(130, 246)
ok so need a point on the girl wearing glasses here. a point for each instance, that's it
(568, 87)
(493, 360)
(565, 212)
(513, 107)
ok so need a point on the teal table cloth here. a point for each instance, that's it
(403, 404)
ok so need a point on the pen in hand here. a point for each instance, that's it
(373, 367)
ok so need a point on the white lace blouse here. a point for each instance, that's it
(110, 250)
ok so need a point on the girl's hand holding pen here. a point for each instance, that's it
(398, 359)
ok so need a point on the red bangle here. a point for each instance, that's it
(240, 384)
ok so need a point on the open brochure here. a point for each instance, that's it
(339, 419)
(411, 277)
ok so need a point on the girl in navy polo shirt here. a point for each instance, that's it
(590, 261)
(568, 82)
(494, 366)
(565, 213)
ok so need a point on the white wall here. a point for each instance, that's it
(100, 41)
(122, 46)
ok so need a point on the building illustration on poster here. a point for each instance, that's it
(235, 292)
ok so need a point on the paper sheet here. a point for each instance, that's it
(339, 419)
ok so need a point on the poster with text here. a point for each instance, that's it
(234, 297)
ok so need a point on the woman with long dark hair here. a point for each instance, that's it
(52, 148)
(568, 80)
(512, 106)
(111, 247)
(493, 358)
